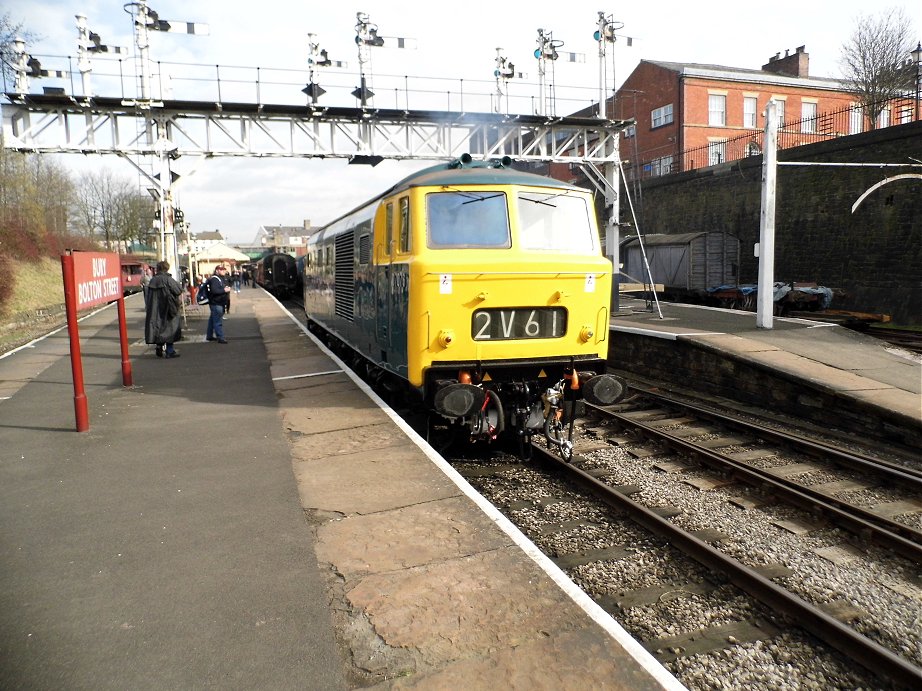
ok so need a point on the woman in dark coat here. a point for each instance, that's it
(162, 326)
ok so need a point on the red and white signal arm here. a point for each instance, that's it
(97, 278)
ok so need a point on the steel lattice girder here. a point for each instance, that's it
(61, 124)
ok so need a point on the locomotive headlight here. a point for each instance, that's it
(585, 334)
(446, 337)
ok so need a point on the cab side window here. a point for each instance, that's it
(404, 225)
(389, 229)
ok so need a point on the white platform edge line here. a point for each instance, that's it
(587, 604)
(31, 344)
(309, 374)
(667, 335)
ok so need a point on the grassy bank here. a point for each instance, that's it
(36, 302)
(35, 286)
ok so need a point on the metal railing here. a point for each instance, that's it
(818, 128)
(117, 77)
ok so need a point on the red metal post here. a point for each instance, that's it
(81, 411)
(123, 338)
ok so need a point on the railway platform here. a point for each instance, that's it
(820, 373)
(248, 516)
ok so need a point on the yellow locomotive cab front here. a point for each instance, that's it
(517, 275)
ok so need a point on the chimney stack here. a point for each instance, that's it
(796, 65)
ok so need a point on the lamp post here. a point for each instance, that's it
(917, 57)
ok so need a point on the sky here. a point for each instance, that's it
(238, 195)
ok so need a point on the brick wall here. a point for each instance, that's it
(872, 258)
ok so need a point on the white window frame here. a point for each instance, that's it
(717, 151)
(856, 119)
(717, 110)
(808, 117)
(780, 104)
(661, 166)
(661, 116)
(883, 120)
(750, 112)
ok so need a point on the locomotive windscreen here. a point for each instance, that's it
(467, 219)
(555, 222)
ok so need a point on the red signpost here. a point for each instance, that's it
(90, 279)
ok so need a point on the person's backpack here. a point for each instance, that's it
(203, 297)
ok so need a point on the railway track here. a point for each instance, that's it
(758, 587)
(907, 339)
(728, 569)
(812, 475)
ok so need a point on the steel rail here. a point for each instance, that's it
(873, 656)
(900, 475)
(865, 524)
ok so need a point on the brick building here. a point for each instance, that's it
(686, 113)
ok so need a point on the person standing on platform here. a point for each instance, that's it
(145, 281)
(219, 297)
(162, 326)
(235, 280)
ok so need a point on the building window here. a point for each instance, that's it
(630, 131)
(717, 152)
(855, 119)
(905, 114)
(807, 117)
(661, 166)
(780, 113)
(750, 107)
(717, 110)
(661, 116)
(883, 120)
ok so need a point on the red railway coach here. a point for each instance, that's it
(132, 270)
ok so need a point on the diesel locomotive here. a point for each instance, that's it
(482, 289)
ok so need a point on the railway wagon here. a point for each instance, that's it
(481, 288)
(132, 269)
(278, 274)
(687, 264)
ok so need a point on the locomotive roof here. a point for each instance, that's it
(459, 172)
(485, 173)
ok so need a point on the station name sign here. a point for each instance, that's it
(90, 279)
(97, 278)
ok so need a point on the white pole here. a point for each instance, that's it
(765, 302)
(21, 66)
(83, 58)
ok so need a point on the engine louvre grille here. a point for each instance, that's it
(345, 275)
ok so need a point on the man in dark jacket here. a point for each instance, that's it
(218, 299)
(161, 324)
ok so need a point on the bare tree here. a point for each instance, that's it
(35, 193)
(873, 60)
(56, 190)
(10, 30)
(134, 216)
(97, 204)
